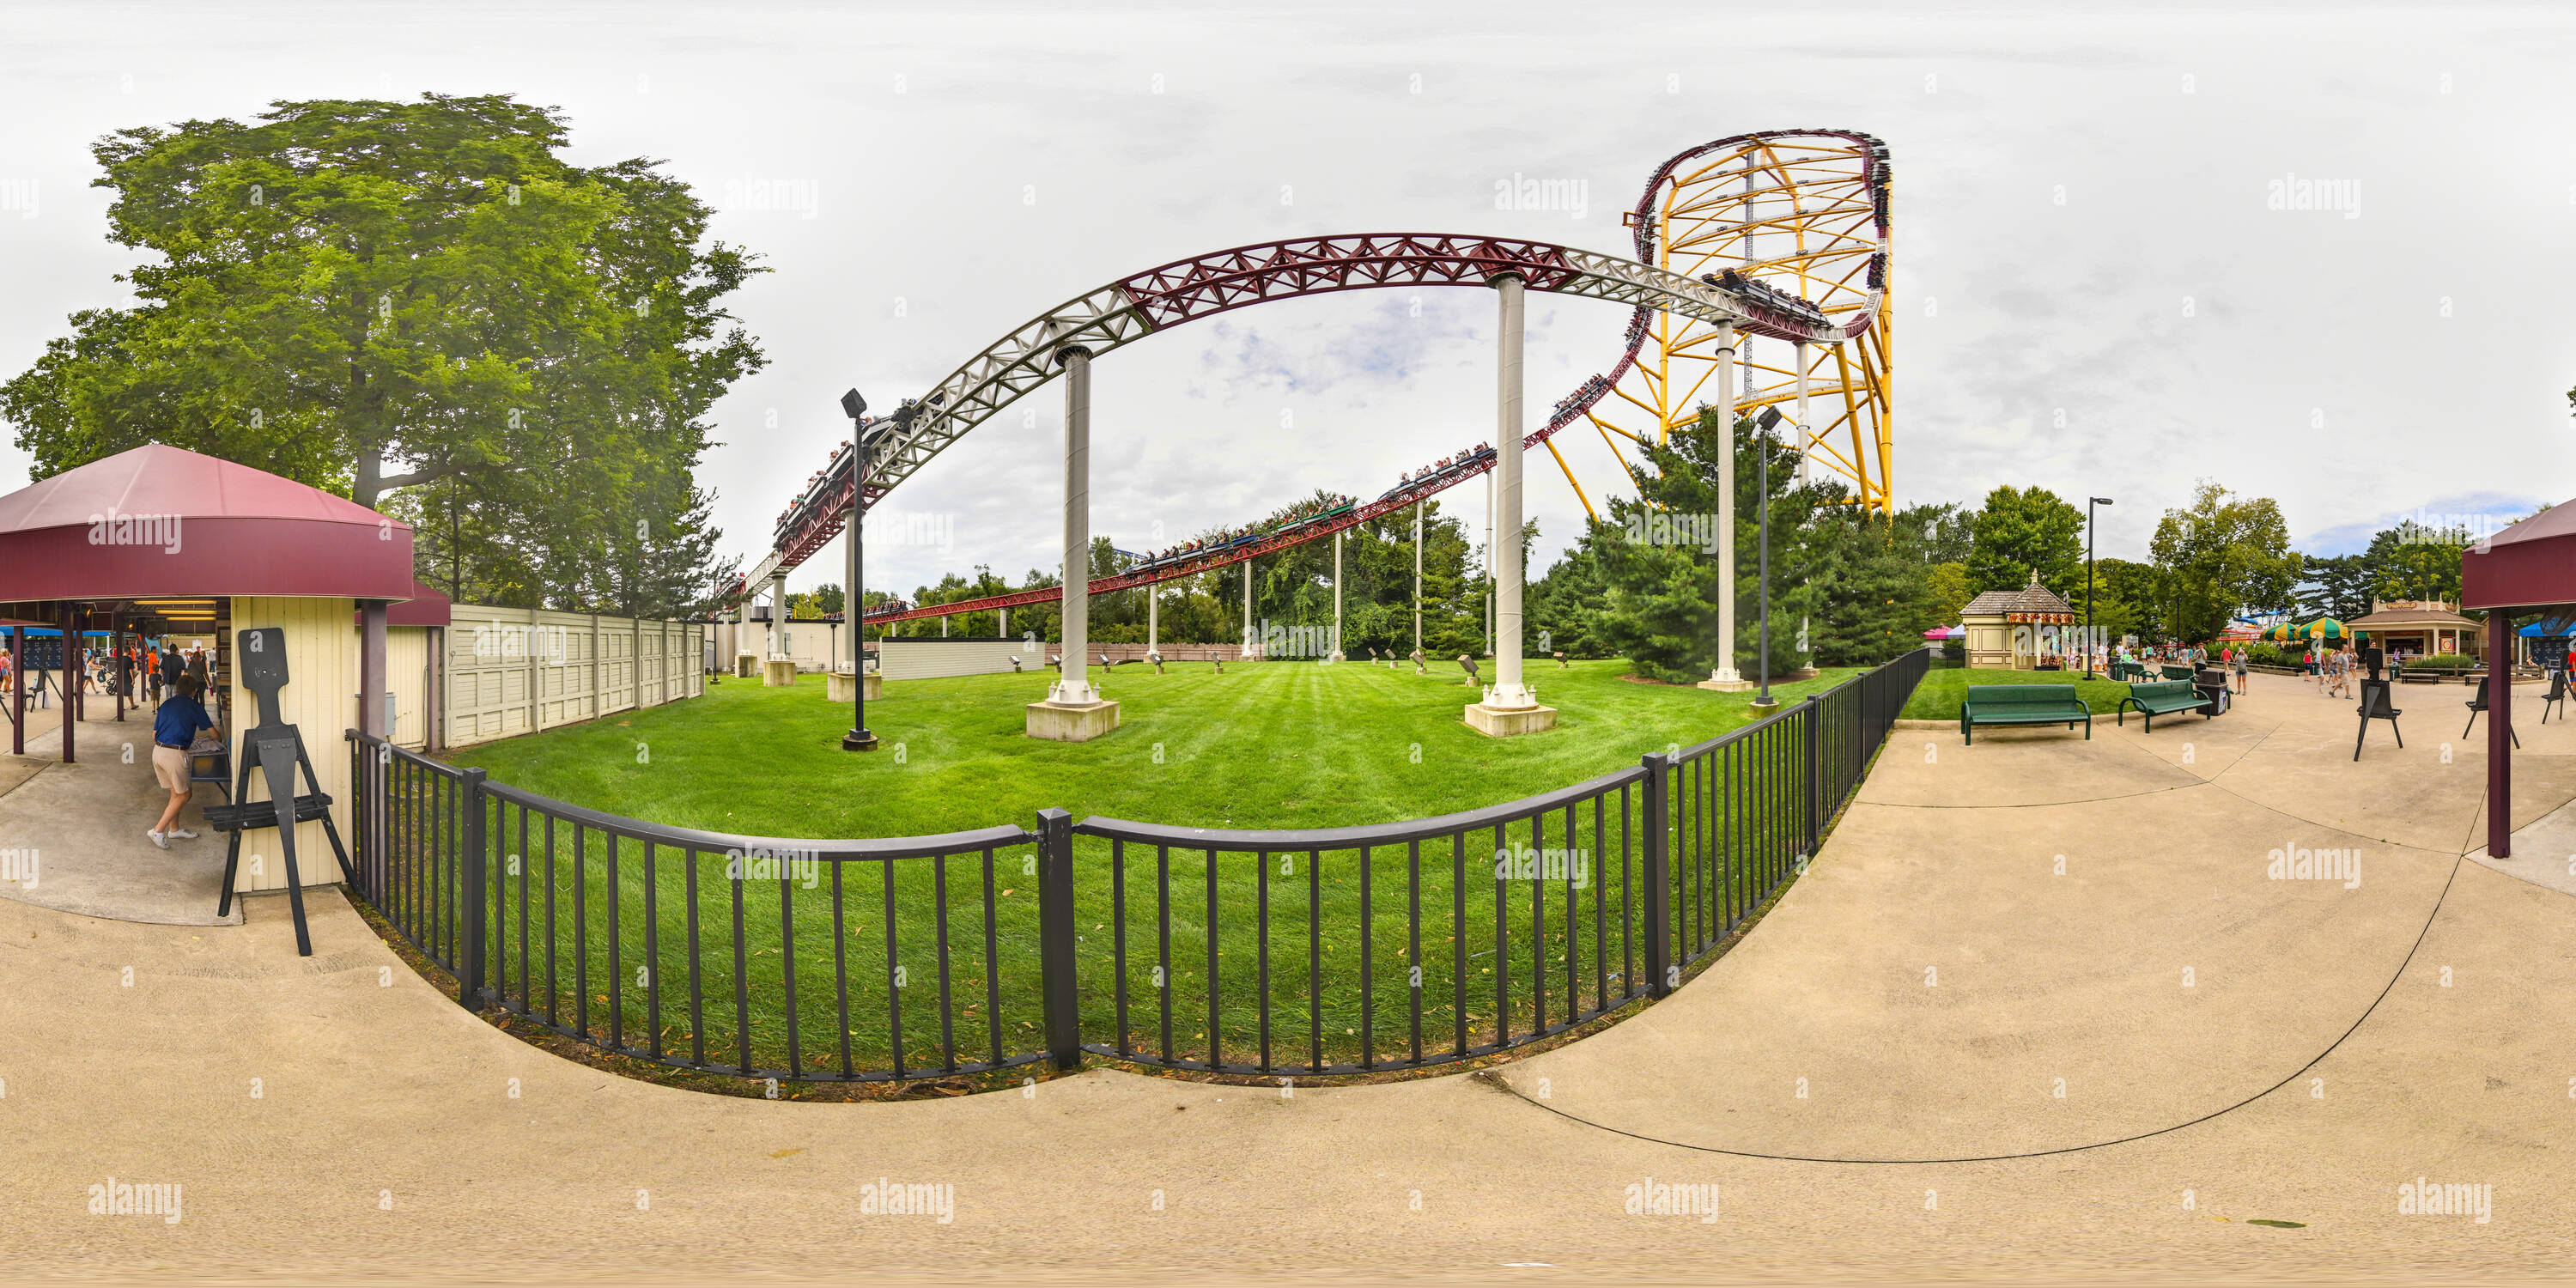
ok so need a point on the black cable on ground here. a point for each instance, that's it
(2366, 1013)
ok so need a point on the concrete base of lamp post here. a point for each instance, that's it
(745, 665)
(779, 674)
(1507, 722)
(836, 686)
(1071, 721)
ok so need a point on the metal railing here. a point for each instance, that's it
(1282, 953)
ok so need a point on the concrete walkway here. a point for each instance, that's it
(333, 1115)
(85, 823)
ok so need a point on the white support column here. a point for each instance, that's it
(1508, 690)
(943, 626)
(1249, 642)
(1073, 680)
(1006, 623)
(1153, 619)
(1073, 710)
(1725, 676)
(1491, 475)
(1510, 706)
(778, 615)
(1417, 576)
(1337, 594)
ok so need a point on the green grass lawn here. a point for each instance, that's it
(1265, 745)
(1944, 688)
(936, 955)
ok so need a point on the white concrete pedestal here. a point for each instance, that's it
(780, 673)
(836, 686)
(746, 665)
(1726, 680)
(1506, 722)
(1071, 721)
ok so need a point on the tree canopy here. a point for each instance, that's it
(425, 307)
(2025, 529)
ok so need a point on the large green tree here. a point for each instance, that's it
(425, 306)
(2022, 529)
(2223, 555)
(2340, 587)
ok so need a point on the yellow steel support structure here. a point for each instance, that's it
(1800, 213)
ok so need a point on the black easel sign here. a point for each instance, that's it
(277, 749)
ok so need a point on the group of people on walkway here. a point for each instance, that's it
(132, 671)
(2230, 659)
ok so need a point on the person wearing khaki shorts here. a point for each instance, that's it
(174, 726)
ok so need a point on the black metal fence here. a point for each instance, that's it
(1287, 953)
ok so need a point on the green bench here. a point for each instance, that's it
(2162, 699)
(2012, 704)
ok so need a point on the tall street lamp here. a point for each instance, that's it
(854, 601)
(2089, 503)
(1762, 575)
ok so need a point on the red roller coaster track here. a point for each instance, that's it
(1186, 290)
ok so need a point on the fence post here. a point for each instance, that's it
(469, 938)
(1056, 938)
(1659, 875)
(1810, 718)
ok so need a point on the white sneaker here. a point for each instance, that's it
(159, 839)
(181, 834)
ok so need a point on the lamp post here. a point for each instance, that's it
(2089, 503)
(1763, 701)
(854, 602)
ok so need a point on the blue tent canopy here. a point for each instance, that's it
(2546, 629)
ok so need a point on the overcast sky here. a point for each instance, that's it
(2092, 292)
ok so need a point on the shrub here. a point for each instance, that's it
(2271, 655)
(1955, 650)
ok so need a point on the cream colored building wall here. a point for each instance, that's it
(320, 701)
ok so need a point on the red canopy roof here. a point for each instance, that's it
(2531, 564)
(167, 521)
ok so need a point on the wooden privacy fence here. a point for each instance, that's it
(508, 671)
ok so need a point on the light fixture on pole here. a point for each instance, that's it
(2089, 503)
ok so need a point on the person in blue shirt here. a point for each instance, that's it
(174, 725)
